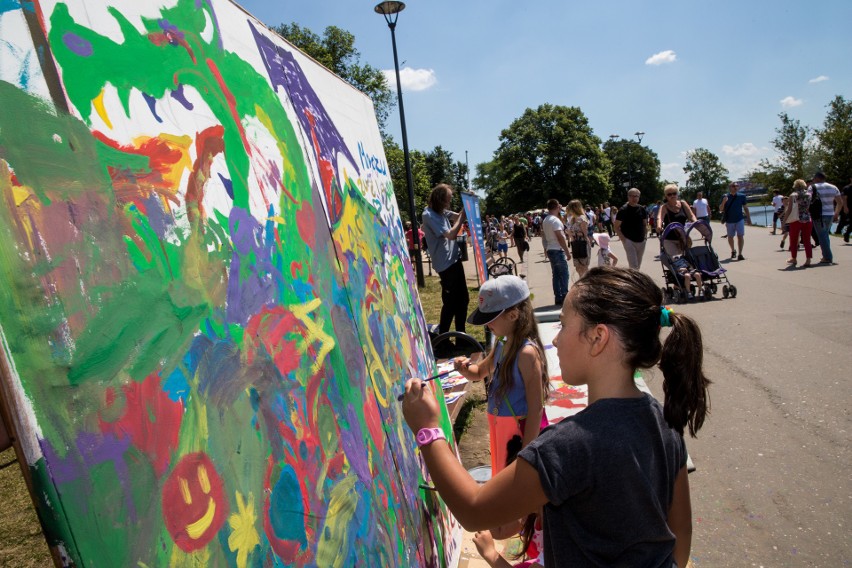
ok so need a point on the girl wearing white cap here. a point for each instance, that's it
(516, 368)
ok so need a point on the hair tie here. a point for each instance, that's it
(665, 319)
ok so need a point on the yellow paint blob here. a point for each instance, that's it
(244, 536)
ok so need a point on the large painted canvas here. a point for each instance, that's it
(206, 305)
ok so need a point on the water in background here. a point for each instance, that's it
(761, 215)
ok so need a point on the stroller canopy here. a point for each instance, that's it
(702, 227)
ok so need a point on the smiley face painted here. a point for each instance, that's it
(194, 505)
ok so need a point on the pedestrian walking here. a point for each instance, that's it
(631, 226)
(777, 210)
(579, 235)
(556, 247)
(735, 213)
(798, 217)
(701, 208)
(832, 204)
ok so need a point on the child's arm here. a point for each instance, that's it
(680, 518)
(613, 258)
(474, 371)
(485, 546)
(530, 366)
(513, 493)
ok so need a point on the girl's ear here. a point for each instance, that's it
(599, 337)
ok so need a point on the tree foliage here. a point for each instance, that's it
(548, 152)
(441, 168)
(797, 156)
(834, 150)
(336, 51)
(632, 165)
(705, 173)
(419, 173)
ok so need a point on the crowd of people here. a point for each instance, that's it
(569, 508)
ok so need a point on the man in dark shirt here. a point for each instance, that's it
(845, 219)
(631, 226)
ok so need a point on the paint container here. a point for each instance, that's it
(480, 473)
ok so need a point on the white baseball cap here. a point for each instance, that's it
(498, 295)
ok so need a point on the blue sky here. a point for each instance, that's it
(725, 68)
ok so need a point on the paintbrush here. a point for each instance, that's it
(438, 376)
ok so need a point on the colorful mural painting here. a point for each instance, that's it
(206, 305)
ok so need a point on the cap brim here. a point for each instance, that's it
(479, 317)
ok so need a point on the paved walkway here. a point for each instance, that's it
(773, 485)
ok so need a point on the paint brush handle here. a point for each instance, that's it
(438, 376)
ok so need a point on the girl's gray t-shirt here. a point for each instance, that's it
(608, 473)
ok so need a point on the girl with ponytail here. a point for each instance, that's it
(611, 479)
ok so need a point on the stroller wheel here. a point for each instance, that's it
(713, 288)
(708, 292)
(733, 291)
(676, 296)
(725, 291)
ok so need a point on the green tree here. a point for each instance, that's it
(835, 141)
(419, 173)
(548, 152)
(706, 173)
(632, 162)
(441, 168)
(336, 51)
(795, 156)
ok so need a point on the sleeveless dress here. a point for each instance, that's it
(507, 416)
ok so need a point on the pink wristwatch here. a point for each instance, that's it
(426, 436)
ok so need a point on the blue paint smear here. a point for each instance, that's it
(151, 105)
(286, 513)
(176, 386)
(229, 185)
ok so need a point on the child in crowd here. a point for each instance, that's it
(605, 256)
(503, 242)
(612, 479)
(516, 368)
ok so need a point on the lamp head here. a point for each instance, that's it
(390, 10)
(639, 135)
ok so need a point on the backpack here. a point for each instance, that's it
(815, 208)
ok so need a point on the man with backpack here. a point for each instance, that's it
(832, 204)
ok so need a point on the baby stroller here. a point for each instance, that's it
(675, 242)
(704, 258)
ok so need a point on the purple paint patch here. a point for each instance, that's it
(78, 45)
(152, 102)
(92, 450)
(251, 278)
(284, 71)
(180, 97)
(160, 221)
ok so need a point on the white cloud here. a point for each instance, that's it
(790, 102)
(743, 158)
(672, 171)
(819, 79)
(411, 79)
(667, 56)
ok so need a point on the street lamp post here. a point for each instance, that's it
(391, 10)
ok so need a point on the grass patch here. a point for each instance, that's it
(430, 299)
(465, 416)
(21, 541)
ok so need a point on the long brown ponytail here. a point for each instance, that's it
(629, 302)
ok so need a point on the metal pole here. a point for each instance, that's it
(415, 232)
